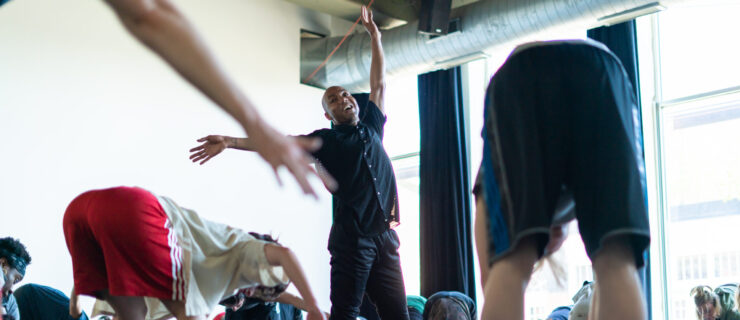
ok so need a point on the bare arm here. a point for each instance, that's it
(75, 307)
(291, 299)
(377, 64)
(161, 27)
(282, 256)
(213, 145)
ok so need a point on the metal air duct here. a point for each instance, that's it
(484, 25)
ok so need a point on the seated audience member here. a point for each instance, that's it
(416, 306)
(258, 309)
(13, 260)
(582, 300)
(580, 309)
(450, 305)
(717, 304)
(150, 258)
(37, 302)
(560, 313)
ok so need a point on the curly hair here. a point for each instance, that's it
(15, 254)
(704, 294)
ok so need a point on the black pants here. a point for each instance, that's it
(369, 265)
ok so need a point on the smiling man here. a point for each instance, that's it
(363, 246)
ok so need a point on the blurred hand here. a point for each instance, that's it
(315, 314)
(279, 150)
(558, 234)
(367, 21)
(211, 147)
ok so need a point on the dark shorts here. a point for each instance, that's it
(562, 125)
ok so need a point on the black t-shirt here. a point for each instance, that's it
(43, 303)
(367, 199)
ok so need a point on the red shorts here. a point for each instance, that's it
(121, 240)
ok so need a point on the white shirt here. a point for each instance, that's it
(210, 261)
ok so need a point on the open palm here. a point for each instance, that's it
(211, 147)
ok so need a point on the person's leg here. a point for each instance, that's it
(618, 293)
(385, 285)
(507, 280)
(481, 238)
(177, 308)
(350, 268)
(126, 307)
(607, 173)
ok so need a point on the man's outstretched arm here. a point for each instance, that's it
(160, 26)
(377, 65)
(213, 145)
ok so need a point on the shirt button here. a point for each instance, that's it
(370, 165)
(375, 179)
(378, 192)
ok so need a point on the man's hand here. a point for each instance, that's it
(280, 150)
(315, 313)
(558, 234)
(368, 23)
(211, 147)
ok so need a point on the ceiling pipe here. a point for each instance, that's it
(484, 25)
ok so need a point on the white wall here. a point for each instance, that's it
(83, 106)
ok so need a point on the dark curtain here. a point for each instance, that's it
(444, 192)
(622, 40)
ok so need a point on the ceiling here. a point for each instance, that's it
(388, 13)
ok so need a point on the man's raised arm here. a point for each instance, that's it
(377, 65)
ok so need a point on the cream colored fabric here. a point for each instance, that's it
(216, 260)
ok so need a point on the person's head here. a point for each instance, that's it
(340, 107)
(737, 296)
(13, 260)
(449, 305)
(707, 303)
(267, 293)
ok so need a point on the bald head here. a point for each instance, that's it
(340, 106)
(327, 93)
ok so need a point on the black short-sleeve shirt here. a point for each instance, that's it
(367, 198)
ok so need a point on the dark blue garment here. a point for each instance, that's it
(560, 313)
(11, 308)
(2, 2)
(43, 303)
(255, 309)
(450, 305)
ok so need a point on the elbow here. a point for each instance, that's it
(277, 255)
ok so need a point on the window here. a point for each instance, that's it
(401, 142)
(691, 115)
